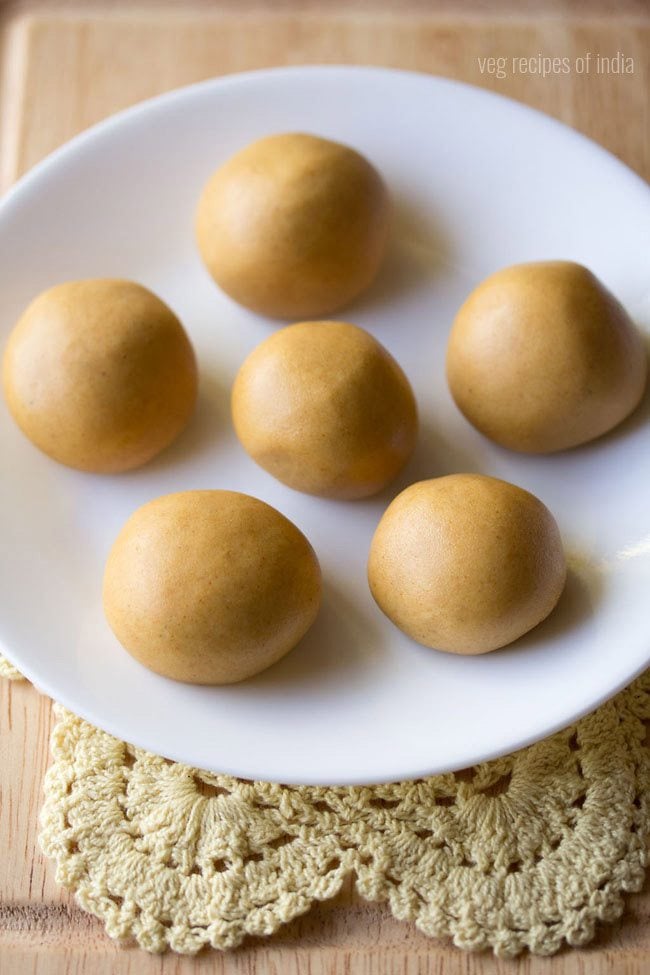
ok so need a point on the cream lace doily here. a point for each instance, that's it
(527, 851)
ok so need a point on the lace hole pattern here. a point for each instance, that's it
(530, 851)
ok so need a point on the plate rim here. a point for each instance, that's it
(21, 185)
(20, 190)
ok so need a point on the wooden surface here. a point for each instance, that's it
(67, 65)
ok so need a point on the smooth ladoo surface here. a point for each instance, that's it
(294, 226)
(466, 563)
(210, 587)
(542, 357)
(100, 375)
(326, 409)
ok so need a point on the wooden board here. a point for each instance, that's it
(67, 65)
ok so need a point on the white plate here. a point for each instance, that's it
(479, 182)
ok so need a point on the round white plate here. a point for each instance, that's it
(479, 182)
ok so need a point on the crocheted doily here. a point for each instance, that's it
(526, 851)
(8, 670)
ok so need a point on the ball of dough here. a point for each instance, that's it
(542, 357)
(210, 587)
(100, 375)
(293, 226)
(466, 563)
(325, 408)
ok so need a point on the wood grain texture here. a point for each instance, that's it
(66, 65)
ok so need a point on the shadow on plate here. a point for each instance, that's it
(418, 251)
(211, 418)
(637, 419)
(582, 593)
(435, 455)
(343, 643)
